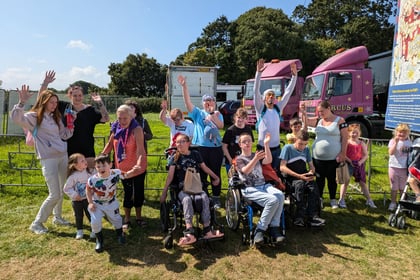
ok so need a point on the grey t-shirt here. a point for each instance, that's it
(255, 178)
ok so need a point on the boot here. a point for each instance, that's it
(120, 236)
(99, 242)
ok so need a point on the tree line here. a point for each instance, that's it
(312, 34)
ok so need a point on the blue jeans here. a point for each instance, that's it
(269, 197)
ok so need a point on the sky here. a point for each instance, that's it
(79, 39)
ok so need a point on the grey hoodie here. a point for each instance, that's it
(49, 141)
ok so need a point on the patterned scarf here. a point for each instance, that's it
(122, 134)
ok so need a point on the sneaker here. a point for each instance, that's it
(79, 234)
(92, 235)
(317, 221)
(342, 203)
(299, 222)
(276, 236)
(371, 204)
(259, 236)
(38, 228)
(392, 206)
(60, 221)
(334, 204)
(216, 202)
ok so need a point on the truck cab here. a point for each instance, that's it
(276, 76)
(346, 82)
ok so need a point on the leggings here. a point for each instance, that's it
(326, 169)
(134, 191)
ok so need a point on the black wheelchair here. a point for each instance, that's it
(171, 215)
(242, 211)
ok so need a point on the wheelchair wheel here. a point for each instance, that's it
(168, 241)
(232, 208)
(401, 222)
(392, 220)
(164, 217)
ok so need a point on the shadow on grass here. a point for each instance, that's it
(144, 247)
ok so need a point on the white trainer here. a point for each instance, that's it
(79, 234)
(60, 221)
(334, 204)
(371, 204)
(392, 206)
(342, 203)
(38, 228)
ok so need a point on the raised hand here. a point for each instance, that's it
(49, 77)
(96, 97)
(267, 138)
(24, 94)
(260, 65)
(293, 68)
(182, 80)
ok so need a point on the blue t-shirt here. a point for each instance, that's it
(198, 116)
(296, 160)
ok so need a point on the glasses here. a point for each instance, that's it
(181, 142)
(297, 124)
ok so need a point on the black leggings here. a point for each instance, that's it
(80, 207)
(325, 169)
(213, 158)
(134, 191)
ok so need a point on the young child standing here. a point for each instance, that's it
(356, 157)
(75, 188)
(101, 192)
(398, 149)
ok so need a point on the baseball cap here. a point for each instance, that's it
(207, 97)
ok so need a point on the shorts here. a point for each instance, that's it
(398, 178)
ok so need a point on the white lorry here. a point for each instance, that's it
(201, 80)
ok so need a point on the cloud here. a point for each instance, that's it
(78, 44)
(89, 74)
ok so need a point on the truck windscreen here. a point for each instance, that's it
(312, 88)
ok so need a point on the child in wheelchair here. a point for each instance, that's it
(255, 189)
(294, 159)
(184, 159)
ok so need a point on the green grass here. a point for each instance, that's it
(356, 242)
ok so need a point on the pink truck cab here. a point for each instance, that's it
(276, 75)
(346, 82)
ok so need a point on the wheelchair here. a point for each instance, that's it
(171, 216)
(239, 211)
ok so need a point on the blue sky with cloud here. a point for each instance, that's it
(80, 39)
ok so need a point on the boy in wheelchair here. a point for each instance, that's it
(294, 159)
(185, 158)
(249, 168)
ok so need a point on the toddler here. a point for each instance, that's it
(398, 149)
(101, 192)
(75, 188)
(356, 157)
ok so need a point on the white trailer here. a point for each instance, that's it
(201, 80)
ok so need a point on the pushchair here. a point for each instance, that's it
(407, 204)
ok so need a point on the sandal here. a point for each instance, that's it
(188, 239)
(141, 222)
(209, 234)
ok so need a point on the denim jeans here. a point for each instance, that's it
(269, 197)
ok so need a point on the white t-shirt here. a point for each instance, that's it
(186, 127)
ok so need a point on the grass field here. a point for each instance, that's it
(356, 242)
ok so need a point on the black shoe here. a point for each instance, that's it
(276, 235)
(317, 221)
(120, 236)
(259, 236)
(299, 222)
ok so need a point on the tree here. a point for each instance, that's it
(138, 76)
(265, 33)
(348, 23)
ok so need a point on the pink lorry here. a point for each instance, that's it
(356, 86)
